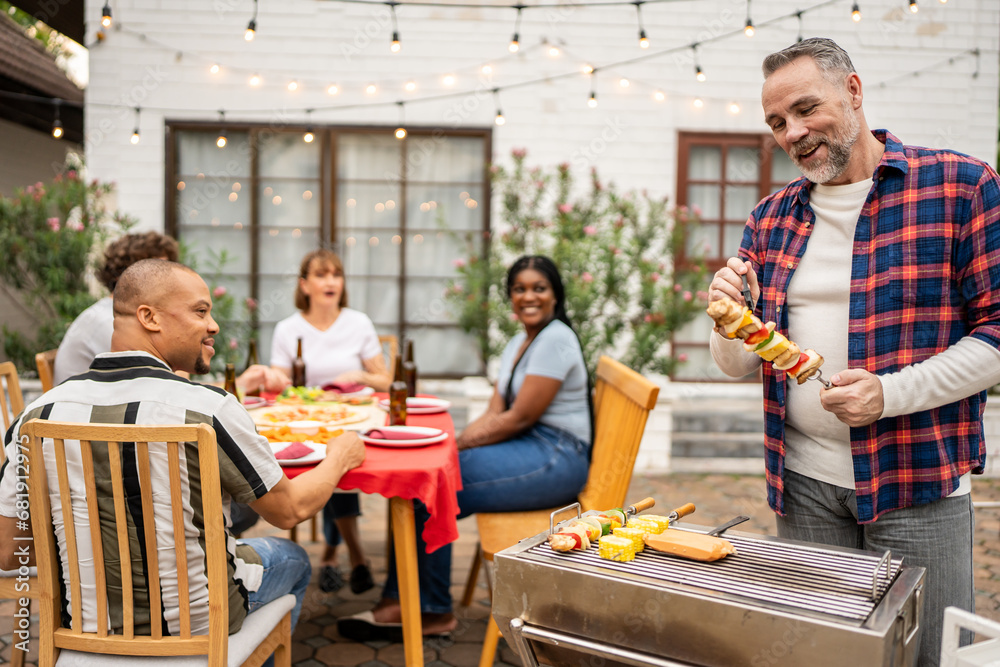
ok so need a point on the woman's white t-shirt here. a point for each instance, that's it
(343, 347)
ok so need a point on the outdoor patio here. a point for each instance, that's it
(718, 498)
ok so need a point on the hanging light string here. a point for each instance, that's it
(643, 40)
(923, 70)
(395, 45)
(748, 27)
(401, 130)
(515, 41)
(106, 14)
(135, 132)
(251, 30)
(57, 126)
(499, 119)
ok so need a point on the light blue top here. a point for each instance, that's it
(555, 353)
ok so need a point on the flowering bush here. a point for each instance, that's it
(51, 235)
(615, 252)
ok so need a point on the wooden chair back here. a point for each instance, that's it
(622, 401)
(390, 344)
(45, 362)
(11, 400)
(107, 441)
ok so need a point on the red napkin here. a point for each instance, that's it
(343, 387)
(296, 450)
(378, 434)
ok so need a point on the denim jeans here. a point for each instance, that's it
(338, 506)
(936, 536)
(286, 570)
(542, 467)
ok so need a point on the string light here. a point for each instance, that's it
(734, 108)
(913, 7)
(252, 26)
(698, 73)
(57, 126)
(293, 85)
(395, 46)
(659, 96)
(371, 89)
(943, 2)
(623, 82)
(214, 69)
(554, 51)
(587, 69)
(698, 103)
(486, 69)
(592, 102)
(221, 140)
(515, 41)
(410, 86)
(255, 80)
(499, 120)
(401, 130)
(643, 40)
(748, 29)
(856, 13)
(448, 80)
(105, 16)
(308, 136)
(135, 132)
(333, 89)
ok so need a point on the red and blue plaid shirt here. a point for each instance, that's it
(925, 273)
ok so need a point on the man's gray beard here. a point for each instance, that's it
(839, 151)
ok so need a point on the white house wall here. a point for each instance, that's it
(629, 137)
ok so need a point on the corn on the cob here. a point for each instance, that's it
(647, 527)
(661, 522)
(615, 548)
(634, 534)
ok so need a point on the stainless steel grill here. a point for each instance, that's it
(775, 602)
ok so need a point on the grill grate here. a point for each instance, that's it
(785, 575)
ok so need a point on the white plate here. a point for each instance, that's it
(319, 453)
(433, 435)
(361, 393)
(420, 406)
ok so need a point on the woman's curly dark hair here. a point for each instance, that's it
(129, 249)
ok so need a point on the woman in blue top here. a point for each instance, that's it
(530, 450)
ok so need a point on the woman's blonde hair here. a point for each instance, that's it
(322, 258)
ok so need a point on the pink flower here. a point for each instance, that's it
(251, 304)
(458, 263)
(519, 153)
(697, 210)
(590, 230)
(565, 208)
(513, 317)
(71, 174)
(702, 296)
(677, 287)
(494, 170)
(219, 291)
(586, 277)
(53, 224)
(688, 296)
(233, 343)
(539, 184)
(654, 277)
(648, 318)
(682, 357)
(75, 225)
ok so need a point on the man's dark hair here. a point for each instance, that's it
(829, 57)
(129, 249)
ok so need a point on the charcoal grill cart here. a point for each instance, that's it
(774, 602)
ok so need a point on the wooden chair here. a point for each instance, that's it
(103, 447)
(46, 364)
(11, 405)
(622, 401)
(390, 345)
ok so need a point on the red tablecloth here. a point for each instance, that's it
(429, 474)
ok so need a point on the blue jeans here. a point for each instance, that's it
(286, 570)
(338, 506)
(542, 467)
(936, 536)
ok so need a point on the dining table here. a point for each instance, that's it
(404, 473)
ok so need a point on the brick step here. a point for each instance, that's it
(717, 444)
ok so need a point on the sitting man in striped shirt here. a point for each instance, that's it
(885, 258)
(163, 323)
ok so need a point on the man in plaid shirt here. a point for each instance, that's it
(886, 259)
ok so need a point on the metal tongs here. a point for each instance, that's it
(815, 375)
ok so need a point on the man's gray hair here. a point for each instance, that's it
(830, 58)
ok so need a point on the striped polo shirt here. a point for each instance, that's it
(138, 388)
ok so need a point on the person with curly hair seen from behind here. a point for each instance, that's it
(342, 352)
(530, 450)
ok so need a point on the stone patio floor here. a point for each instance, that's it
(718, 498)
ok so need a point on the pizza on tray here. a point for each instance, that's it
(329, 415)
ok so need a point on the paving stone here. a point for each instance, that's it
(301, 651)
(308, 663)
(344, 654)
(462, 655)
(317, 641)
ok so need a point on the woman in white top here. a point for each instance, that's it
(339, 346)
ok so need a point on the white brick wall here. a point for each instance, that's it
(306, 39)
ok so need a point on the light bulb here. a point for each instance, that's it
(105, 17)
(698, 74)
(371, 89)
(221, 141)
(554, 51)
(643, 40)
(748, 30)
(255, 80)
(293, 86)
(515, 44)
(410, 86)
(214, 69)
(734, 108)
(486, 69)
(400, 132)
(333, 89)
(395, 46)
(698, 103)
(448, 80)
(659, 96)
(856, 13)
(587, 69)
(135, 136)
(623, 82)
(913, 7)
(592, 102)
(308, 136)
(251, 30)
(57, 129)
(500, 120)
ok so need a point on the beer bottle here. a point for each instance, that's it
(410, 369)
(230, 385)
(299, 368)
(252, 361)
(397, 396)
